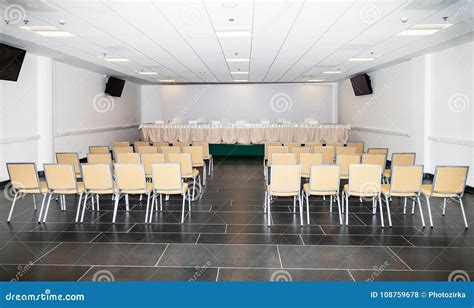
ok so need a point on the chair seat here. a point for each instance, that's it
(344, 177)
(149, 188)
(41, 190)
(199, 165)
(103, 191)
(80, 189)
(281, 194)
(317, 193)
(208, 157)
(173, 192)
(358, 194)
(385, 189)
(195, 174)
(386, 173)
(426, 190)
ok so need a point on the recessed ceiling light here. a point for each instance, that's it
(237, 59)
(147, 73)
(49, 31)
(229, 5)
(240, 80)
(234, 33)
(425, 29)
(332, 72)
(114, 59)
(239, 73)
(315, 80)
(432, 26)
(361, 59)
(166, 80)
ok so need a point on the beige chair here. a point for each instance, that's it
(98, 180)
(270, 151)
(207, 155)
(335, 145)
(24, 180)
(375, 159)
(328, 153)
(323, 181)
(159, 145)
(148, 159)
(187, 171)
(127, 158)
(307, 160)
(120, 144)
(358, 145)
(130, 180)
(138, 144)
(180, 144)
(400, 159)
(364, 182)
(313, 144)
(345, 150)
(344, 161)
(448, 182)
(99, 150)
(61, 181)
(291, 145)
(378, 151)
(147, 149)
(99, 158)
(285, 181)
(406, 183)
(267, 145)
(299, 150)
(122, 149)
(197, 157)
(284, 159)
(71, 159)
(168, 150)
(166, 179)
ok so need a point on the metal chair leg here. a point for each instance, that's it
(388, 211)
(463, 213)
(330, 204)
(301, 209)
(147, 207)
(34, 201)
(161, 203)
(97, 201)
(444, 206)
(79, 207)
(307, 208)
(294, 204)
(347, 209)
(421, 211)
(47, 208)
(117, 198)
(269, 210)
(404, 205)
(381, 211)
(429, 210)
(265, 203)
(127, 203)
(13, 206)
(339, 209)
(183, 207)
(83, 208)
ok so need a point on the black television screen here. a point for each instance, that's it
(114, 86)
(361, 85)
(11, 59)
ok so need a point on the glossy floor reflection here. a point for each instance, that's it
(225, 237)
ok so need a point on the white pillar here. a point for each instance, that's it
(45, 111)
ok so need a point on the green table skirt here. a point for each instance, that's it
(237, 150)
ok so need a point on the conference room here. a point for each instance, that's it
(270, 141)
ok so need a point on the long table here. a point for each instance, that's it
(245, 134)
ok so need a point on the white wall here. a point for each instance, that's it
(151, 103)
(411, 105)
(251, 102)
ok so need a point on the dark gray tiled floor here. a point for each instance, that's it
(225, 238)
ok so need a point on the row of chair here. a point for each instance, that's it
(364, 182)
(99, 179)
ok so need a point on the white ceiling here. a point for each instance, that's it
(291, 41)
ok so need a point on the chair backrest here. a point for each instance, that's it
(205, 148)
(23, 175)
(185, 160)
(130, 177)
(99, 158)
(309, 159)
(300, 149)
(159, 145)
(275, 149)
(324, 178)
(284, 159)
(345, 160)
(313, 144)
(406, 179)
(335, 145)
(168, 150)
(285, 179)
(127, 158)
(97, 177)
(403, 159)
(328, 153)
(291, 145)
(180, 144)
(364, 180)
(122, 149)
(60, 177)
(345, 150)
(377, 151)
(138, 144)
(197, 155)
(148, 159)
(166, 177)
(147, 149)
(120, 144)
(450, 179)
(375, 159)
(358, 145)
(270, 144)
(96, 149)
(70, 158)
